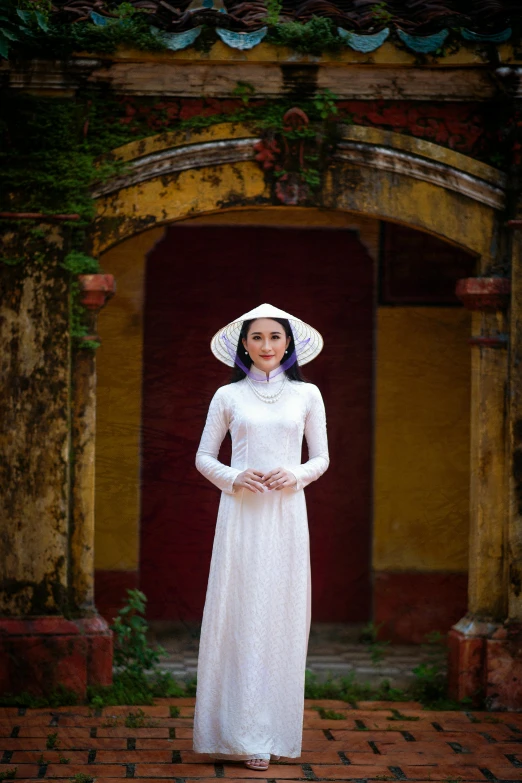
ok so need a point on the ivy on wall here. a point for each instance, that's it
(54, 150)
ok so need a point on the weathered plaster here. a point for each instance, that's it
(272, 70)
(514, 440)
(386, 194)
(34, 438)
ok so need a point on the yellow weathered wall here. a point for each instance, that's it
(119, 368)
(422, 436)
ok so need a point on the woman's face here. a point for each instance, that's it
(266, 343)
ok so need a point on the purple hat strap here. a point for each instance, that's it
(299, 346)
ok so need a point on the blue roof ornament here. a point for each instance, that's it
(469, 35)
(241, 40)
(99, 20)
(364, 43)
(424, 44)
(176, 41)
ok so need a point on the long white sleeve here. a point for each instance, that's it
(216, 427)
(317, 441)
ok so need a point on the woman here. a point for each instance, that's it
(256, 620)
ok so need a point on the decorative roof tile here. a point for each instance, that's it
(480, 21)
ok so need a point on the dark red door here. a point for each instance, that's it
(199, 278)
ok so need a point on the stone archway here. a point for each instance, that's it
(374, 173)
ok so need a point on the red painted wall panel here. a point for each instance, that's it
(198, 279)
(410, 605)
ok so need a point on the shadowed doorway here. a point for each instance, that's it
(198, 278)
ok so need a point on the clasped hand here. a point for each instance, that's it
(255, 480)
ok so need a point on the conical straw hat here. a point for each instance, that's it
(308, 341)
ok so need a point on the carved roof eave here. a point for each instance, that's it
(388, 74)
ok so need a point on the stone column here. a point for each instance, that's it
(50, 632)
(488, 299)
(514, 542)
(504, 647)
(96, 290)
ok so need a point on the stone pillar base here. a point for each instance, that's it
(39, 653)
(485, 664)
(504, 668)
(466, 667)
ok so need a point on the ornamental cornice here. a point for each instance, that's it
(270, 72)
(420, 160)
(398, 162)
(176, 159)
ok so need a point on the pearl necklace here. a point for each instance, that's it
(269, 398)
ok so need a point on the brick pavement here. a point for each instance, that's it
(370, 742)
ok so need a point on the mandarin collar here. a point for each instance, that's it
(275, 375)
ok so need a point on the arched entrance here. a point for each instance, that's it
(421, 203)
(197, 275)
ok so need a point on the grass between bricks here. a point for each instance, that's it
(139, 680)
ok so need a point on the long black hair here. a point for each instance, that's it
(293, 372)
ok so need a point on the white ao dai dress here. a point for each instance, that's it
(256, 620)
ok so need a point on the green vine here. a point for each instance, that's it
(54, 150)
(32, 32)
(273, 11)
(78, 263)
(315, 37)
(381, 14)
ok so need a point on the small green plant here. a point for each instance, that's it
(385, 777)
(81, 777)
(273, 11)
(349, 690)
(244, 91)
(381, 14)
(132, 689)
(325, 104)
(78, 263)
(191, 686)
(316, 36)
(370, 635)
(8, 773)
(431, 686)
(491, 719)
(41, 760)
(52, 741)
(58, 697)
(63, 759)
(111, 722)
(127, 10)
(132, 651)
(139, 720)
(328, 714)
(174, 711)
(398, 715)
(163, 684)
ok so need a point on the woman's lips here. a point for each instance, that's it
(267, 357)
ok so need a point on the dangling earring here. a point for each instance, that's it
(286, 351)
(246, 353)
